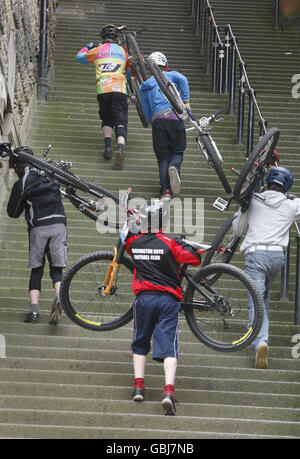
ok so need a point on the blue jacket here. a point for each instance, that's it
(154, 102)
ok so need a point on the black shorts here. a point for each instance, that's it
(113, 109)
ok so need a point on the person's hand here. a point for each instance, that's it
(90, 45)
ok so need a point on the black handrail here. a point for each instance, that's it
(211, 44)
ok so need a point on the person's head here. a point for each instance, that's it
(109, 33)
(154, 216)
(159, 59)
(279, 179)
(16, 163)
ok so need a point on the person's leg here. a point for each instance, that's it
(177, 136)
(160, 139)
(34, 294)
(142, 332)
(165, 347)
(119, 110)
(107, 126)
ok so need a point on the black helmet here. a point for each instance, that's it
(109, 31)
(154, 215)
(14, 159)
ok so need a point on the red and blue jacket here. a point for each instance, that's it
(157, 258)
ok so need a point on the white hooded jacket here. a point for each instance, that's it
(267, 220)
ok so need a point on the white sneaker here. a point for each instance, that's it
(175, 182)
(261, 360)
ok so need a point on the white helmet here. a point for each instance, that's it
(159, 58)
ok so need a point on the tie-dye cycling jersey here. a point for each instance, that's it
(111, 66)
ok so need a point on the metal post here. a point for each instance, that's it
(227, 61)
(241, 106)
(284, 295)
(232, 78)
(276, 7)
(262, 126)
(208, 42)
(197, 18)
(215, 63)
(221, 67)
(203, 24)
(42, 79)
(297, 295)
(251, 93)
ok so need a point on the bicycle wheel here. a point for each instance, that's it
(223, 325)
(166, 87)
(81, 293)
(256, 166)
(224, 246)
(137, 59)
(215, 163)
(99, 205)
(137, 101)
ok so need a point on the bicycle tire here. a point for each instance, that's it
(139, 66)
(224, 246)
(164, 85)
(215, 163)
(138, 103)
(81, 296)
(223, 328)
(256, 165)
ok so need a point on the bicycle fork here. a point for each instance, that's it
(112, 271)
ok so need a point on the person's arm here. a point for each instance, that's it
(183, 86)
(81, 55)
(146, 104)
(16, 202)
(240, 223)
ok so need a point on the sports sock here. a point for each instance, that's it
(139, 383)
(169, 388)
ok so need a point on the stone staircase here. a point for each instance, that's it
(66, 382)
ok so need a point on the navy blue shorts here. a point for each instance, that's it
(156, 315)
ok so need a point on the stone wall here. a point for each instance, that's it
(19, 68)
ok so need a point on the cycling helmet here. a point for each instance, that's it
(154, 215)
(14, 160)
(159, 58)
(109, 31)
(281, 176)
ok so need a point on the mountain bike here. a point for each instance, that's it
(250, 180)
(96, 294)
(138, 68)
(206, 144)
(94, 201)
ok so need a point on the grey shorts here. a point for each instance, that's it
(50, 240)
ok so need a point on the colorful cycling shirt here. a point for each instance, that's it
(111, 64)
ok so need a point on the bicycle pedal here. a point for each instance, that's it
(220, 204)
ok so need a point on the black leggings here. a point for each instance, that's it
(35, 280)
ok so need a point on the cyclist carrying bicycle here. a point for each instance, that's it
(168, 130)
(266, 225)
(46, 222)
(112, 70)
(156, 284)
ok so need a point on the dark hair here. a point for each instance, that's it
(275, 187)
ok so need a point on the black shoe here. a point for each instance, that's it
(32, 318)
(108, 152)
(168, 404)
(119, 160)
(138, 395)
